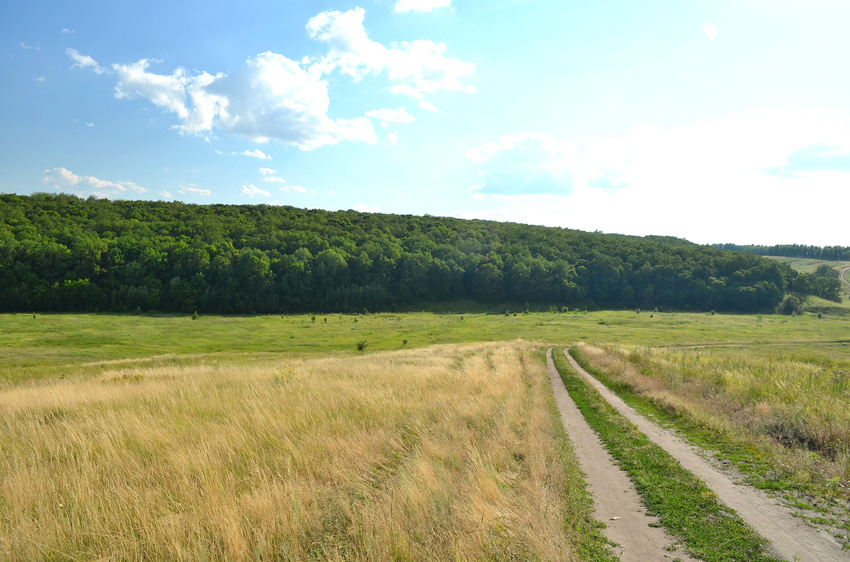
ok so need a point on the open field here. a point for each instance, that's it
(450, 452)
(47, 346)
(171, 438)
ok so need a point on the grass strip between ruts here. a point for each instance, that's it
(684, 505)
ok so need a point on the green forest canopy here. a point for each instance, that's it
(62, 253)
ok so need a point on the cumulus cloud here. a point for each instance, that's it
(62, 179)
(364, 208)
(420, 5)
(84, 61)
(393, 138)
(266, 171)
(270, 97)
(166, 195)
(399, 115)
(252, 190)
(192, 189)
(256, 153)
(296, 188)
(273, 97)
(418, 67)
(729, 179)
(273, 179)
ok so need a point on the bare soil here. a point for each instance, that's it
(617, 504)
(790, 537)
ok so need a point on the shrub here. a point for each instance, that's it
(790, 305)
(361, 345)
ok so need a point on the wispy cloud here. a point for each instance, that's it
(710, 31)
(399, 115)
(192, 189)
(420, 5)
(62, 179)
(84, 61)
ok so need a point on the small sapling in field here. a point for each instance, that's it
(361, 345)
(403, 343)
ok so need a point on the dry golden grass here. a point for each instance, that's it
(440, 453)
(794, 410)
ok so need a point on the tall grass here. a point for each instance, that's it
(794, 410)
(450, 452)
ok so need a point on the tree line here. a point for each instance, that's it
(62, 253)
(829, 253)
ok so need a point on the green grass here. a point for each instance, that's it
(685, 506)
(54, 345)
(775, 415)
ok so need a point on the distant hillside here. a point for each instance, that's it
(829, 253)
(62, 253)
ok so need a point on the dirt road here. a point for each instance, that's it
(790, 538)
(617, 504)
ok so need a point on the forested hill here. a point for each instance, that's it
(62, 253)
(830, 253)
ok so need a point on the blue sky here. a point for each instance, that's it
(712, 120)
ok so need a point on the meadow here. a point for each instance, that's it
(272, 437)
(448, 452)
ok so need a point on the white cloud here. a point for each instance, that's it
(88, 124)
(710, 31)
(427, 105)
(296, 188)
(40, 78)
(420, 5)
(391, 115)
(192, 189)
(25, 46)
(393, 138)
(364, 208)
(273, 179)
(419, 67)
(267, 171)
(166, 195)
(62, 179)
(733, 179)
(270, 97)
(84, 61)
(67, 31)
(256, 153)
(254, 191)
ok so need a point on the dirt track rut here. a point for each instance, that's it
(790, 538)
(616, 502)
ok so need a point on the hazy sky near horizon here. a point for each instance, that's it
(711, 120)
